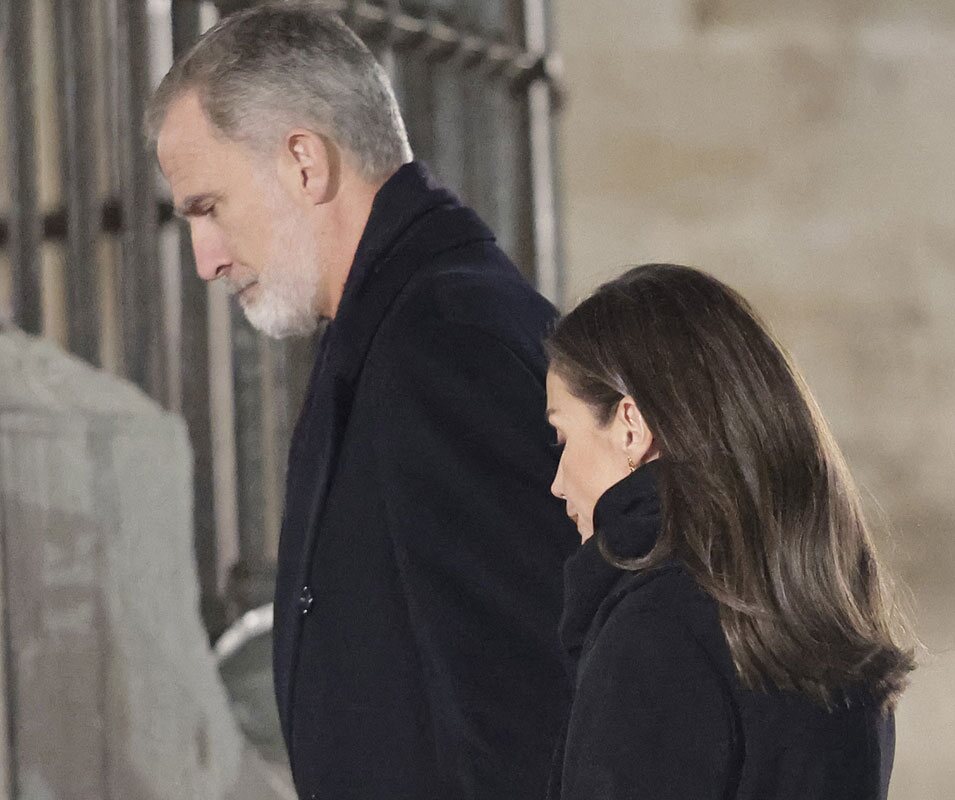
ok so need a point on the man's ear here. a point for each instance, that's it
(637, 439)
(311, 164)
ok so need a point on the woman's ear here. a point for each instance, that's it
(637, 439)
(311, 163)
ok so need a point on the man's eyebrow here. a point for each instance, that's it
(195, 204)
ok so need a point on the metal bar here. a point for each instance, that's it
(449, 93)
(543, 173)
(8, 694)
(252, 574)
(522, 246)
(222, 428)
(276, 437)
(16, 38)
(197, 411)
(196, 404)
(186, 25)
(140, 282)
(507, 189)
(484, 128)
(249, 411)
(252, 579)
(510, 186)
(73, 27)
(247, 380)
(412, 83)
(384, 46)
(443, 40)
(222, 408)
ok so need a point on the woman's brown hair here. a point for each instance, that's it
(757, 500)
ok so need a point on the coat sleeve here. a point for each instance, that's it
(651, 717)
(462, 449)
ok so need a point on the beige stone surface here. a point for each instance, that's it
(801, 152)
(823, 12)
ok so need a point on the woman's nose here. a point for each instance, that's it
(557, 487)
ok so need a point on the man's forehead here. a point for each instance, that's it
(185, 132)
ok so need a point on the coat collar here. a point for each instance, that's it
(412, 219)
(402, 199)
(627, 520)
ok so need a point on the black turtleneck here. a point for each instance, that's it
(627, 517)
(659, 711)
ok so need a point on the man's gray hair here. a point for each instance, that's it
(269, 68)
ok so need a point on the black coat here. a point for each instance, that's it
(419, 578)
(659, 711)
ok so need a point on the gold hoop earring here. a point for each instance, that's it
(630, 464)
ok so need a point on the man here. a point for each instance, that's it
(418, 591)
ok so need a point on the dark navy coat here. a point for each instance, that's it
(419, 578)
(659, 710)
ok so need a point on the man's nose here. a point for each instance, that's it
(213, 259)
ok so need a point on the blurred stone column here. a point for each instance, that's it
(110, 687)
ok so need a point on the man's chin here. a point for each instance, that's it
(279, 323)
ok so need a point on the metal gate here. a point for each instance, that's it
(91, 256)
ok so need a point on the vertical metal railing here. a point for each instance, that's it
(541, 145)
(193, 367)
(472, 80)
(140, 281)
(73, 31)
(24, 224)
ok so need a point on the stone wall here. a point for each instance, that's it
(110, 690)
(801, 152)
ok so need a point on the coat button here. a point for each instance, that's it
(305, 601)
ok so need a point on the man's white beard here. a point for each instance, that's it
(289, 282)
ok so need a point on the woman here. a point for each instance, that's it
(725, 616)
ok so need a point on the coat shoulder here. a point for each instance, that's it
(664, 619)
(666, 593)
(474, 286)
(666, 603)
(646, 685)
(643, 618)
(475, 292)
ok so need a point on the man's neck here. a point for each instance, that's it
(343, 230)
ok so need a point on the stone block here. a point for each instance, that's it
(113, 691)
